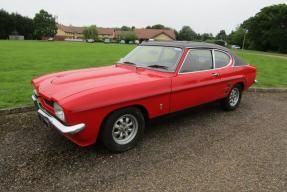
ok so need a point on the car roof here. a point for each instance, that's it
(184, 44)
(193, 44)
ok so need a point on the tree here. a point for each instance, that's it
(125, 28)
(187, 34)
(5, 24)
(157, 26)
(15, 23)
(176, 34)
(236, 37)
(91, 32)
(23, 25)
(207, 36)
(45, 25)
(127, 36)
(267, 30)
(221, 35)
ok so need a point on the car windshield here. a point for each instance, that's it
(155, 57)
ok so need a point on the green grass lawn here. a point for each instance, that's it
(20, 61)
(271, 68)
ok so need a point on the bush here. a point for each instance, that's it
(128, 36)
(217, 42)
(91, 32)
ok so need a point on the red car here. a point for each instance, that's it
(115, 102)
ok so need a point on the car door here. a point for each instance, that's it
(197, 81)
(223, 64)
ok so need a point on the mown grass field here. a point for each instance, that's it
(20, 61)
(271, 68)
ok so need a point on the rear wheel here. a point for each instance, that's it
(233, 99)
(123, 129)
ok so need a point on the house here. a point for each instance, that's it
(106, 33)
(69, 32)
(156, 34)
(72, 32)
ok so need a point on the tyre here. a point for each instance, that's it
(123, 129)
(233, 99)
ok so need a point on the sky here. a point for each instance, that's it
(202, 16)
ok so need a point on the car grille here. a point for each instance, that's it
(48, 102)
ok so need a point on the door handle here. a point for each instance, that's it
(215, 74)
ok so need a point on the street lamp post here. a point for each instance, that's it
(243, 44)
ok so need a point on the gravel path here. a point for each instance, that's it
(203, 149)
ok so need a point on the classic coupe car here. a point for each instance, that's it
(114, 103)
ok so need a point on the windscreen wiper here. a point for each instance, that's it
(158, 66)
(129, 63)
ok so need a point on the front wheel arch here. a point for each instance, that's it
(140, 107)
(105, 133)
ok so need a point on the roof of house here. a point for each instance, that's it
(79, 30)
(151, 33)
(71, 29)
(105, 31)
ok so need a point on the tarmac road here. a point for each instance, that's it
(203, 149)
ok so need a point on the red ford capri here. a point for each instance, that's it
(156, 78)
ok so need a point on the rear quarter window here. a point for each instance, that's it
(221, 59)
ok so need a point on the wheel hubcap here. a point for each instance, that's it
(234, 97)
(125, 129)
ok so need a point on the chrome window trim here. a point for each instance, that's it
(213, 60)
(190, 49)
(226, 53)
(241, 65)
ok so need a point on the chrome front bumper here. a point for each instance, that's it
(50, 120)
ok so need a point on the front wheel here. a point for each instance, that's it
(233, 99)
(123, 129)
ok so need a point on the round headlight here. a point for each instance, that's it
(59, 111)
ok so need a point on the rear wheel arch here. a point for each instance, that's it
(233, 98)
(241, 84)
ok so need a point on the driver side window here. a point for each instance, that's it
(197, 60)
